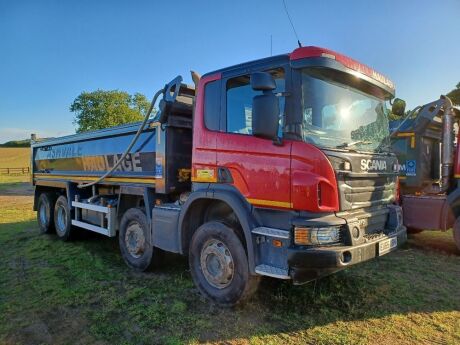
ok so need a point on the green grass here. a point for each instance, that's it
(82, 292)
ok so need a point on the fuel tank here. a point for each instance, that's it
(161, 157)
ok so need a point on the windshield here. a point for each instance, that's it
(336, 115)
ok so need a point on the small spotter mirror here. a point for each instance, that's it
(262, 81)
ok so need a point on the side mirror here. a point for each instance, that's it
(265, 107)
(399, 107)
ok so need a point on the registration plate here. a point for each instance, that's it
(387, 245)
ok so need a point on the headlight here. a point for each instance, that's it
(312, 236)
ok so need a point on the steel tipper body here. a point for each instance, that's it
(290, 176)
(83, 157)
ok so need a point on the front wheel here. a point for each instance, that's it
(219, 265)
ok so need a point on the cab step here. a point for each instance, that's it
(272, 271)
(271, 232)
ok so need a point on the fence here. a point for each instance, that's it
(14, 171)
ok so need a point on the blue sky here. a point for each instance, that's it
(50, 51)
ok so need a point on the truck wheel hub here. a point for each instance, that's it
(42, 213)
(61, 219)
(217, 264)
(135, 240)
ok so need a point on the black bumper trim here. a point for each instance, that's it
(312, 263)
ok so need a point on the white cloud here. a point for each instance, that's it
(7, 134)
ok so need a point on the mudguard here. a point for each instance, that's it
(239, 205)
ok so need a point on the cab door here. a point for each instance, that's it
(260, 170)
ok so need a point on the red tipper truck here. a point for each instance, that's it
(278, 167)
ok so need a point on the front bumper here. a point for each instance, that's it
(306, 264)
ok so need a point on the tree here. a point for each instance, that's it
(454, 95)
(101, 109)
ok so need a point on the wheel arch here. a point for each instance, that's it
(140, 197)
(194, 213)
(47, 189)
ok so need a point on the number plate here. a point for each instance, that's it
(387, 245)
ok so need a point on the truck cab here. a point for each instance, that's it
(291, 175)
(316, 192)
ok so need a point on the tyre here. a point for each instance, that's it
(219, 265)
(135, 240)
(456, 232)
(45, 213)
(63, 219)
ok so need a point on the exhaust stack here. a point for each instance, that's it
(447, 157)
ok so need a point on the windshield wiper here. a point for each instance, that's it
(353, 143)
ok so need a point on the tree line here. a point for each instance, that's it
(101, 109)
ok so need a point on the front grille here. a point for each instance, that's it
(370, 222)
(374, 236)
(359, 192)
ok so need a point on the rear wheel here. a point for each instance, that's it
(456, 230)
(219, 265)
(63, 218)
(45, 213)
(135, 240)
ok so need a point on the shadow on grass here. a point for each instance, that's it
(16, 189)
(82, 292)
(440, 241)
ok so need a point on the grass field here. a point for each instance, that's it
(14, 157)
(82, 293)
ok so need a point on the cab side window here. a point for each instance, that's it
(239, 101)
(212, 105)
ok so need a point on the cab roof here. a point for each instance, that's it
(312, 51)
(315, 52)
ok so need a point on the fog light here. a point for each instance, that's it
(313, 236)
(345, 257)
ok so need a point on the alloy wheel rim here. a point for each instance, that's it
(42, 214)
(61, 219)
